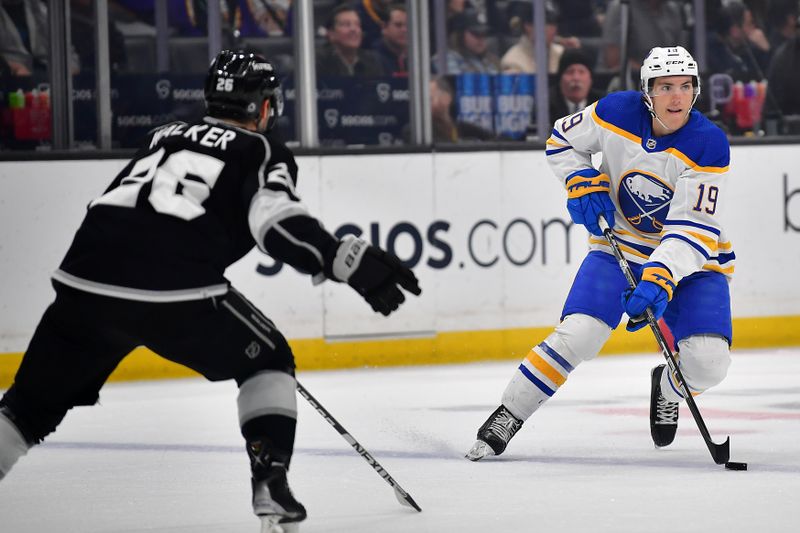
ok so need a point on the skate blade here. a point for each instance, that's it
(269, 524)
(291, 527)
(479, 450)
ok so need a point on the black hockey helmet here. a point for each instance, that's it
(237, 84)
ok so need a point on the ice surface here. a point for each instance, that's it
(167, 456)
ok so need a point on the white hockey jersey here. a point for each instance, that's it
(667, 190)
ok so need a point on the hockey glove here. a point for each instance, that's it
(653, 291)
(374, 274)
(588, 198)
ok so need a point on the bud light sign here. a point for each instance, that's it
(474, 96)
(514, 104)
(502, 103)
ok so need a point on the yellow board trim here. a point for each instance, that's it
(443, 348)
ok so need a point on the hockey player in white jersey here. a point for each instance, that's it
(661, 185)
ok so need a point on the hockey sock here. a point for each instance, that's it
(578, 338)
(268, 414)
(537, 378)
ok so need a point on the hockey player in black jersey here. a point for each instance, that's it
(147, 266)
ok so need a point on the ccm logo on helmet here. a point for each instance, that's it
(261, 66)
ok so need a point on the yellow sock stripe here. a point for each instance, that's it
(661, 277)
(545, 368)
(578, 186)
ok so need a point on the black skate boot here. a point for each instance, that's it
(494, 434)
(663, 413)
(273, 500)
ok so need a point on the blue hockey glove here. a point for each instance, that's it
(653, 291)
(588, 198)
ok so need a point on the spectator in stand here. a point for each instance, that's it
(454, 9)
(270, 17)
(392, 47)
(469, 48)
(573, 89)
(760, 11)
(782, 17)
(579, 18)
(737, 47)
(82, 28)
(446, 129)
(651, 23)
(5, 70)
(520, 58)
(343, 56)
(372, 13)
(25, 38)
(784, 80)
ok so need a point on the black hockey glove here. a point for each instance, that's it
(374, 274)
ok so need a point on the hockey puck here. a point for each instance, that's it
(736, 466)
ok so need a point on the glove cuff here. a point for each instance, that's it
(348, 257)
(660, 275)
(578, 185)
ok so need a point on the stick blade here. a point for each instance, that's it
(405, 498)
(721, 452)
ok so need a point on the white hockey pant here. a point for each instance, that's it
(578, 338)
(704, 362)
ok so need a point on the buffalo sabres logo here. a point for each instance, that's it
(644, 200)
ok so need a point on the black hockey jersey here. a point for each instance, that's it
(194, 199)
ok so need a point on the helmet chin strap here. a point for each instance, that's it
(651, 108)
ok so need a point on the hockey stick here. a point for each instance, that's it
(719, 452)
(402, 496)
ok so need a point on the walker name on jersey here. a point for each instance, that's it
(206, 135)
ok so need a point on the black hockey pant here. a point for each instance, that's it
(82, 337)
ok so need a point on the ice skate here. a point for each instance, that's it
(275, 504)
(273, 501)
(494, 434)
(663, 413)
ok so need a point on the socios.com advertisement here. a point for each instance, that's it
(490, 251)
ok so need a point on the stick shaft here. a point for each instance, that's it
(719, 452)
(403, 496)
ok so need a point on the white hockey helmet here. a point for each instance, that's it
(668, 61)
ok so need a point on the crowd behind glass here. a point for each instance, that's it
(481, 72)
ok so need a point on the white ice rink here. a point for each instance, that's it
(167, 456)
